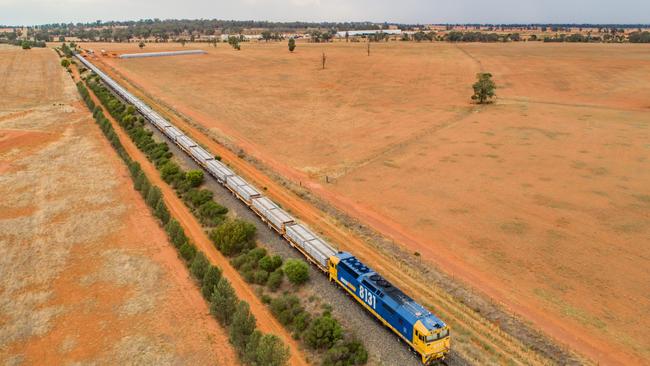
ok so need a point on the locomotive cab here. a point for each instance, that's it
(431, 344)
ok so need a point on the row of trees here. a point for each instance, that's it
(639, 37)
(25, 44)
(253, 347)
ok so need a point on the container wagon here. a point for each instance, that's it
(315, 249)
(420, 329)
(172, 132)
(242, 189)
(185, 143)
(219, 171)
(200, 155)
(272, 214)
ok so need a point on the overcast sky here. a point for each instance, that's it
(29, 12)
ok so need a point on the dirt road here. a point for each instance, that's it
(265, 320)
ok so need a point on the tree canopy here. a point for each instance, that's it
(484, 88)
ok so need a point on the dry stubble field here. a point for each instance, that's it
(86, 274)
(541, 201)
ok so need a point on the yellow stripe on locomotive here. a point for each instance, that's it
(423, 331)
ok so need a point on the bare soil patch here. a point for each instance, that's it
(87, 274)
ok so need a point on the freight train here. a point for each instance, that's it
(422, 331)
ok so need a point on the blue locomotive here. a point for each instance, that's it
(424, 332)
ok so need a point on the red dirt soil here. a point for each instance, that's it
(533, 186)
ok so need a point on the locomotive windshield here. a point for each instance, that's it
(433, 337)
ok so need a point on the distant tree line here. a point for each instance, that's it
(25, 44)
(639, 37)
(175, 29)
(170, 29)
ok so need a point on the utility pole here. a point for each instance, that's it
(368, 46)
(324, 58)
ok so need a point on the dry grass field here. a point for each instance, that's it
(86, 274)
(542, 201)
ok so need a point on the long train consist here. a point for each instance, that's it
(420, 329)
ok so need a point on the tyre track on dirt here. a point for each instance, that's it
(265, 320)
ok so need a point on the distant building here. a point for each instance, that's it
(248, 37)
(356, 33)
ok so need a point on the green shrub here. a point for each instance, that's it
(172, 227)
(286, 308)
(140, 181)
(170, 171)
(269, 263)
(223, 302)
(275, 279)
(144, 186)
(301, 321)
(210, 280)
(297, 271)
(266, 350)
(346, 353)
(248, 273)
(323, 332)
(242, 326)
(65, 63)
(161, 212)
(260, 277)
(212, 213)
(256, 254)
(199, 266)
(269, 350)
(197, 197)
(180, 184)
(234, 236)
(176, 233)
(248, 266)
(188, 251)
(153, 197)
(134, 169)
(250, 354)
(194, 177)
(239, 260)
